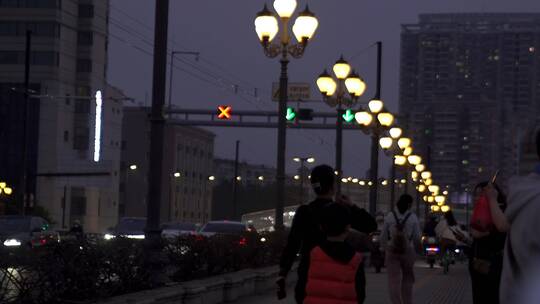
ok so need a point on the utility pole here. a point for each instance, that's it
(23, 191)
(157, 122)
(235, 180)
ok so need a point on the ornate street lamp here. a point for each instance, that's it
(267, 28)
(333, 92)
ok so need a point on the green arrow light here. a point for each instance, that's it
(348, 116)
(291, 114)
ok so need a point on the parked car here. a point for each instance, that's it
(176, 229)
(31, 231)
(223, 227)
(128, 227)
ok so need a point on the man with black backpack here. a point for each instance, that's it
(401, 238)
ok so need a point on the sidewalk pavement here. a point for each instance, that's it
(431, 287)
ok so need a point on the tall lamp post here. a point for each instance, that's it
(387, 143)
(303, 161)
(375, 121)
(346, 81)
(267, 27)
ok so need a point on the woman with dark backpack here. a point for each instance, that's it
(401, 238)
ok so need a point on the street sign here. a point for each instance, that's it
(225, 112)
(297, 91)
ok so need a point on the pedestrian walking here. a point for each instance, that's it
(336, 269)
(306, 234)
(521, 265)
(450, 233)
(486, 255)
(401, 239)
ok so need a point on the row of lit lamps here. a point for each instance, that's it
(432, 192)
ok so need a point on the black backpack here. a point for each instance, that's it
(399, 241)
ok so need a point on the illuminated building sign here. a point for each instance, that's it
(97, 133)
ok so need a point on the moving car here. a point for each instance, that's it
(128, 227)
(176, 229)
(31, 231)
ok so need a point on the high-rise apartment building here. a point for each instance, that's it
(188, 156)
(469, 84)
(73, 134)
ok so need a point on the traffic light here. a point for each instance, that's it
(305, 114)
(291, 114)
(299, 114)
(224, 112)
(348, 116)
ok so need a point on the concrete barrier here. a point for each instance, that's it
(225, 288)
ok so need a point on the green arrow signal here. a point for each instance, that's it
(348, 116)
(291, 114)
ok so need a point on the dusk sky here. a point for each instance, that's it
(223, 32)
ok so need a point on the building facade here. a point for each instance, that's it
(248, 173)
(187, 166)
(68, 63)
(469, 85)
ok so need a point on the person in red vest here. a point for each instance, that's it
(336, 270)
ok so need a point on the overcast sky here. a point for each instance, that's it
(223, 32)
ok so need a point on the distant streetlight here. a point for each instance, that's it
(261, 178)
(425, 175)
(177, 174)
(133, 167)
(211, 178)
(404, 142)
(5, 189)
(395, 133)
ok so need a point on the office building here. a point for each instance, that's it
(73, 143)
(468, 85)
(187, 166)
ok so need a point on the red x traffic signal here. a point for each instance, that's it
(225, 112)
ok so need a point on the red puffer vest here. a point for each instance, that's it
(329, 281)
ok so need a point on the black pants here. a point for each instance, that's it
(485, 287)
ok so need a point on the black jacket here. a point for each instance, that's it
(305, 234)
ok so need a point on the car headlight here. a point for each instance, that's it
(108, 236)
(12, 243)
